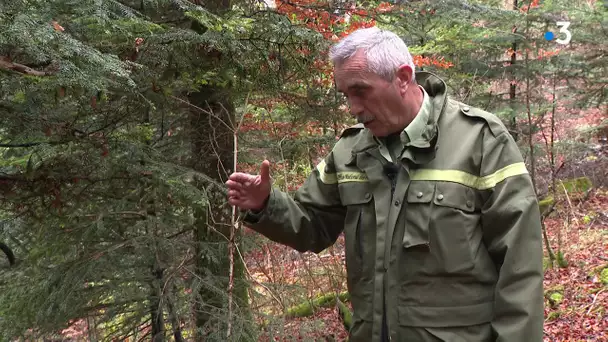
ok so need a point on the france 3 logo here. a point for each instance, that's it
(564, 33)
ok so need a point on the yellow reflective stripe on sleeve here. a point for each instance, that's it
(464, 178)
(490, 181)
(340, 177)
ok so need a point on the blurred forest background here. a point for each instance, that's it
(120, 120)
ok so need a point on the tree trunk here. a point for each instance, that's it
(91, 329)
(156, 311)
(173, 317)
(211, 155)
(212, 119)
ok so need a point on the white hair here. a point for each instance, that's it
(384, 50)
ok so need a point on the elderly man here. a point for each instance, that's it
(440, 218)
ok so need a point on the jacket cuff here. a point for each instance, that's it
(253, 217)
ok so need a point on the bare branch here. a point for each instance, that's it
(32, 144)
(210, 113)
(6, 64)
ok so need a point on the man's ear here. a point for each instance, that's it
(404, 76)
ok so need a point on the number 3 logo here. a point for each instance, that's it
(563, 25)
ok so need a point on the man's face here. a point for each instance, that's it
(375, 102)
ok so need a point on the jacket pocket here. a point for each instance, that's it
(418, 214)
(441, 216)
(352, 241)
(466, 315)
(478, 332)
(359, 227)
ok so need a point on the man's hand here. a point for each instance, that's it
(248, 191)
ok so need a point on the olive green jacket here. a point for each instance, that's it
(456, 248)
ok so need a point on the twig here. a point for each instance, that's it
(278, 300)
(284, 161)
(234, 226)
(471, 89)
(571, 214)
(172, 274)
(202, 110)
(276, 135)
(121, 213)
(594, 299)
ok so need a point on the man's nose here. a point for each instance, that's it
(356, 108)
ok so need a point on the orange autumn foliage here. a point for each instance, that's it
(538, 54)
(57, 27)
(420, 61)
(315, 15)
(533, 4)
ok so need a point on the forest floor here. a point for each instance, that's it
(576, 288)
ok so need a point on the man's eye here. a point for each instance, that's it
(359, 92)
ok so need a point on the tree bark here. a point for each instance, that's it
(173, 316)
(156, 311)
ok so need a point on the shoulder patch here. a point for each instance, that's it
(352, 130)
(494, 123)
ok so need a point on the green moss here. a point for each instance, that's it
(604, 276)
(555, 295)
(601, 272)
(545, 204)
(573, 186)
(553, 315)
(307, 308)
(587, 219)
(346, 315)
(581, 184)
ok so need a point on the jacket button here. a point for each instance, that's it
(419, 195)
(397, 202)
(440, 197)
(367, 195)
(469, 204)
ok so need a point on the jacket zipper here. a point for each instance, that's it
(385, 329)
